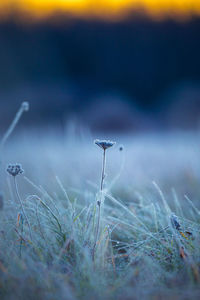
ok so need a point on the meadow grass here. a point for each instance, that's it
(147, 243)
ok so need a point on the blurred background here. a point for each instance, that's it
(114, 65)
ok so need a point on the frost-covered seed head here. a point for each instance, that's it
(104, 144)
(174, 221)
(25, 106)
(15, 169)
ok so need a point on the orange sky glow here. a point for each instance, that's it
(101, 8)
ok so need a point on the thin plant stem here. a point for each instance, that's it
(21, 203)
(24, 107)
(103, 170)
(99, 203)
(12, 126)
(22, 231)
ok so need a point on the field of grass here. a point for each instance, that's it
(147, 245)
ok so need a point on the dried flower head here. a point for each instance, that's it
(15, 169)
(175, 222)
(104, 144)
(121, 148)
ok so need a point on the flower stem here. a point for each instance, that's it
(11, 127)
(103, 170)
(99, 203)
(20, 248)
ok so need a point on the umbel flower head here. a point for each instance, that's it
(14, 169)
(104, 144)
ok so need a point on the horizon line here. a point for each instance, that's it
(34, 14)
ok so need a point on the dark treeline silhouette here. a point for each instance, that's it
(137, 57)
